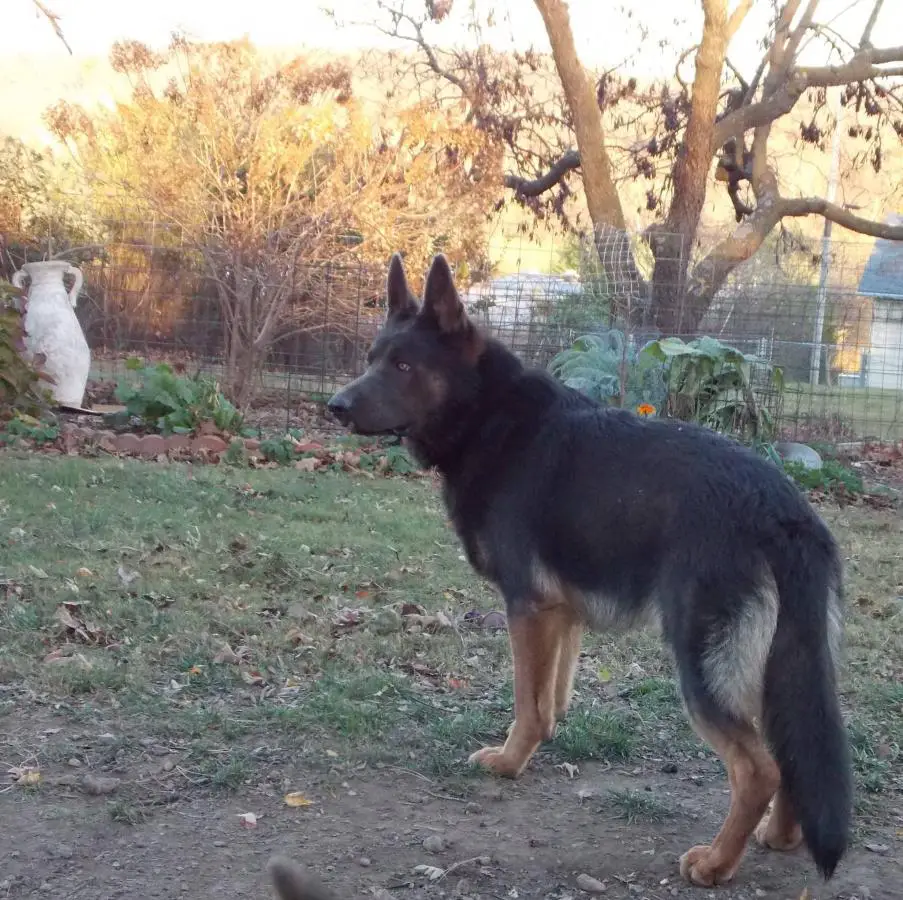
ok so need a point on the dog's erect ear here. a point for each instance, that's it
(440, 298)
(402, 303)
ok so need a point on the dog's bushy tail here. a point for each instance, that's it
(801, 713)
(294, 883)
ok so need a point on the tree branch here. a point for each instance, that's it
(866, 39)
(533, 187)
(54, 21)
(398, 16)
(710, 273)
(807, 206)
(864, 65)
(737, 17)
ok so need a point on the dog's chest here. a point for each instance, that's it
(466, 517)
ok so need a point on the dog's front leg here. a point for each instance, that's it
(538, 637)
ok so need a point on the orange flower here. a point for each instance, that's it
(645, 409)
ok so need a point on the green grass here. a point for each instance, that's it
(590, 734)
(198, 606)
(637, 806)
(866, 412)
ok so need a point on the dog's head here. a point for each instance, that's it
(421, 363)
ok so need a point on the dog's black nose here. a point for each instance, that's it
(340, 408)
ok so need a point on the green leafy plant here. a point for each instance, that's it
(176, 403)
(278, 450)
(607, 368)
(578, 312)
(766, 450)
(389, 460)
(29, 429)
(832, 478)
(21, 390)
(711, 383)
(236, 454)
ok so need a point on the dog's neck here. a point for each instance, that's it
(442, 443)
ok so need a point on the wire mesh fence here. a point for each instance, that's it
(831, 318)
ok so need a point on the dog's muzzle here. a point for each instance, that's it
(340, 408)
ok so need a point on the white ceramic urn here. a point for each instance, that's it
(52, 329)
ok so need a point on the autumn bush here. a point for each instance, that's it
(269, 174)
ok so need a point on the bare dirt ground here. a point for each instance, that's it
(365, 830)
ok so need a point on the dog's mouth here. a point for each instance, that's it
(398, 432)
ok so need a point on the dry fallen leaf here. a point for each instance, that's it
(876, 848)
(308, 464)
(25, 776)
(228, 656)
(296, 799)
(347, 618)
(296, 636)
(434, 873)
(65, 618)
(83, 573)
(569, 769)
(125, 576)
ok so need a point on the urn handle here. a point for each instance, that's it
(18, 280)
(79, 280)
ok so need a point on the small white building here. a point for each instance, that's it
(882, 282)
(532, 313)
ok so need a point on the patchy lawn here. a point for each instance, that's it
(181, 645)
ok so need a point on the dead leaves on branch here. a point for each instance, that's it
(285, 159)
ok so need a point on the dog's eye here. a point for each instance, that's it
(402, 366)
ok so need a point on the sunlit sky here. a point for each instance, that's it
(604, 38)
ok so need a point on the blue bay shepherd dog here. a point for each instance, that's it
(591, 517)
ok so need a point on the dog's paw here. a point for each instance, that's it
(705, 866)
(768, 835)
(496, 761)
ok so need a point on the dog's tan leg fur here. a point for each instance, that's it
(567, 667)
(541, 647)
(779, 829)
(754, 779)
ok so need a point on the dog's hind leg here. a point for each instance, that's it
(567, 666)
(722, 661)
(779, 829)
(754, 778)
(539, 639)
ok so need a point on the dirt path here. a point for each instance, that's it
(364, 834)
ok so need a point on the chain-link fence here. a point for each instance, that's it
(831, 317)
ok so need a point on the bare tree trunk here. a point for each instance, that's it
(672, 242)
(625, 285)
(602, 198)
